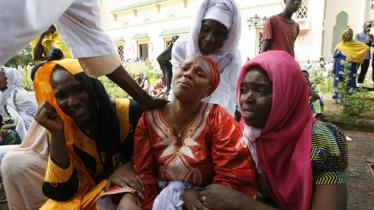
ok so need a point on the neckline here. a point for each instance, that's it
(171, 129)
(289, 21)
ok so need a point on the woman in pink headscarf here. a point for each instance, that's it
(300, 161)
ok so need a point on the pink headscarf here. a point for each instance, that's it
(284, 145)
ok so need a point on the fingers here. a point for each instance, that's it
(199, 206)
(139, 180)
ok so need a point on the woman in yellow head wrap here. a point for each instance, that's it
(88, 134)
(348, 52)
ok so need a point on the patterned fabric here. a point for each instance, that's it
(329, 154)
(339, 74)
(210, 151)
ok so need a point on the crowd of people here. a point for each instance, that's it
(80, 149)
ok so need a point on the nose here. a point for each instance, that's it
(188, 73)
(248, 97)
(73, 101)
(210, 39)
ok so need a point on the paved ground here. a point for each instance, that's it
(360, 172)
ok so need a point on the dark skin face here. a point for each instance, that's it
(192, 81)
(256, 97)
(213, 35)
(292, 5)
(367, 28)
(2, 81)
(347, 36)
(71, 97)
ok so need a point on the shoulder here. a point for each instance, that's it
(219, 117)
(22, 96)
(329, 153)
(273, 18)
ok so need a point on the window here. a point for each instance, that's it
(302, 13)
(120, 51)
(143, 51)
(259, 41)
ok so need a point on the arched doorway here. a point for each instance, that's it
(341, 25)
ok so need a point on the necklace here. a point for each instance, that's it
(181, 130)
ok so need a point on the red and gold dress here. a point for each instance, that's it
(210, 152)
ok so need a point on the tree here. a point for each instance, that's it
(22, 59)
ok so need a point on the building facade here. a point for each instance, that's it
(143, 28)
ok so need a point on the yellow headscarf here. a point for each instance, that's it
(73, 135)
(355, 51)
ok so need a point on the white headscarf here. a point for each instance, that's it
(227, 58)
(13, 81)
(20, 105)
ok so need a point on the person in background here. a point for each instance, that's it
(142, 81)
(348, 54)
(17, 106)
(49, 44)
(366, 38)
(159, 89)
(315, 99)
(301, 162)
(165, 64)
(78, 23)
(308, 66)
(215, 33)
(281, 31)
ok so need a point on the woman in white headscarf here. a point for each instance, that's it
(215, 33)
(17, 106)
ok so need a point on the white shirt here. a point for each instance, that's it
(77, 21)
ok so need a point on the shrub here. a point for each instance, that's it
(353, 104)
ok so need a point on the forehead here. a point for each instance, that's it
(256, 75)
(214, 24)
(197, 61)
(61, 78)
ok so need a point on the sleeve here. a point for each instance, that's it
(144, 164)
(268, 29)
(233, 164)
(329, 154)
(27, 20)
(165, 56)
(60, 184)
(26, 107)
(25, 103)
(80, 28)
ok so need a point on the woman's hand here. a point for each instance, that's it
(128, 202)
(192, 200)
(47, 117)
(125, 176)
(219, 197)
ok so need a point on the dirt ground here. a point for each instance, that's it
(360, 172)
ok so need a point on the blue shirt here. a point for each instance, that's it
(362, 37)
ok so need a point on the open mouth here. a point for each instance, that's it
(80, 112)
